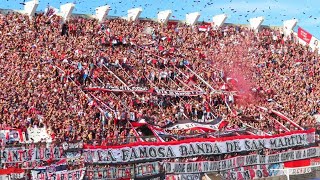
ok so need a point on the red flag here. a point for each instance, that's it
(204, 27)
(151, 90)
(192, 80)
(297, 163)
(223, 124)
(304, 35)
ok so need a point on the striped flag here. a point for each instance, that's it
(204, 28)
(12, 173)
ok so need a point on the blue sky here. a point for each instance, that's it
(239, 11)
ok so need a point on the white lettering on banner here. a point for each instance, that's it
(184, 177)
(3, 136)
(201, 147)
(239, 161)
(126, 88)
(145, 90)
(60, 175)
(11, 135)
(119, 88)
(300, 170)
(19, 155)
(138, 170)
(178, 93)
(72, 145)
(253, 172)
(185, 126)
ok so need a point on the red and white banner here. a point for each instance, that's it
(159, 92)
(304, 35)
(253, 172)
(123, 172)
(315, 161)
(12, 173)
(241, 161)
(22, 154)
(204, 27)
(62, 175)
(195, 126)
(195, 147)
(11, 135)
(299, 166)
(198, 176)
(178, 93)
(118, 89)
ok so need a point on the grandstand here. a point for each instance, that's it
(99, 97)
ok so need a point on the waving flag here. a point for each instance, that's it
(204, 27)
(304, 35)
(12, 173)
(50, 11)
(42, 171)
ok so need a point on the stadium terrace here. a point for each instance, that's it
(98, 97)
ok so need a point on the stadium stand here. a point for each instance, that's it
(72, 85)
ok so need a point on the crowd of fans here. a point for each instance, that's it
(66, 80)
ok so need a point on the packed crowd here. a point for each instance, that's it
(67, 77)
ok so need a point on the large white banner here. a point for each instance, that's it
(159, 92)
(186, 126)
(195, 147)
(240, 161)
(127, 171)
(22, 155)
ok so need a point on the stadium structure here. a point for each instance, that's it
(199, 118)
